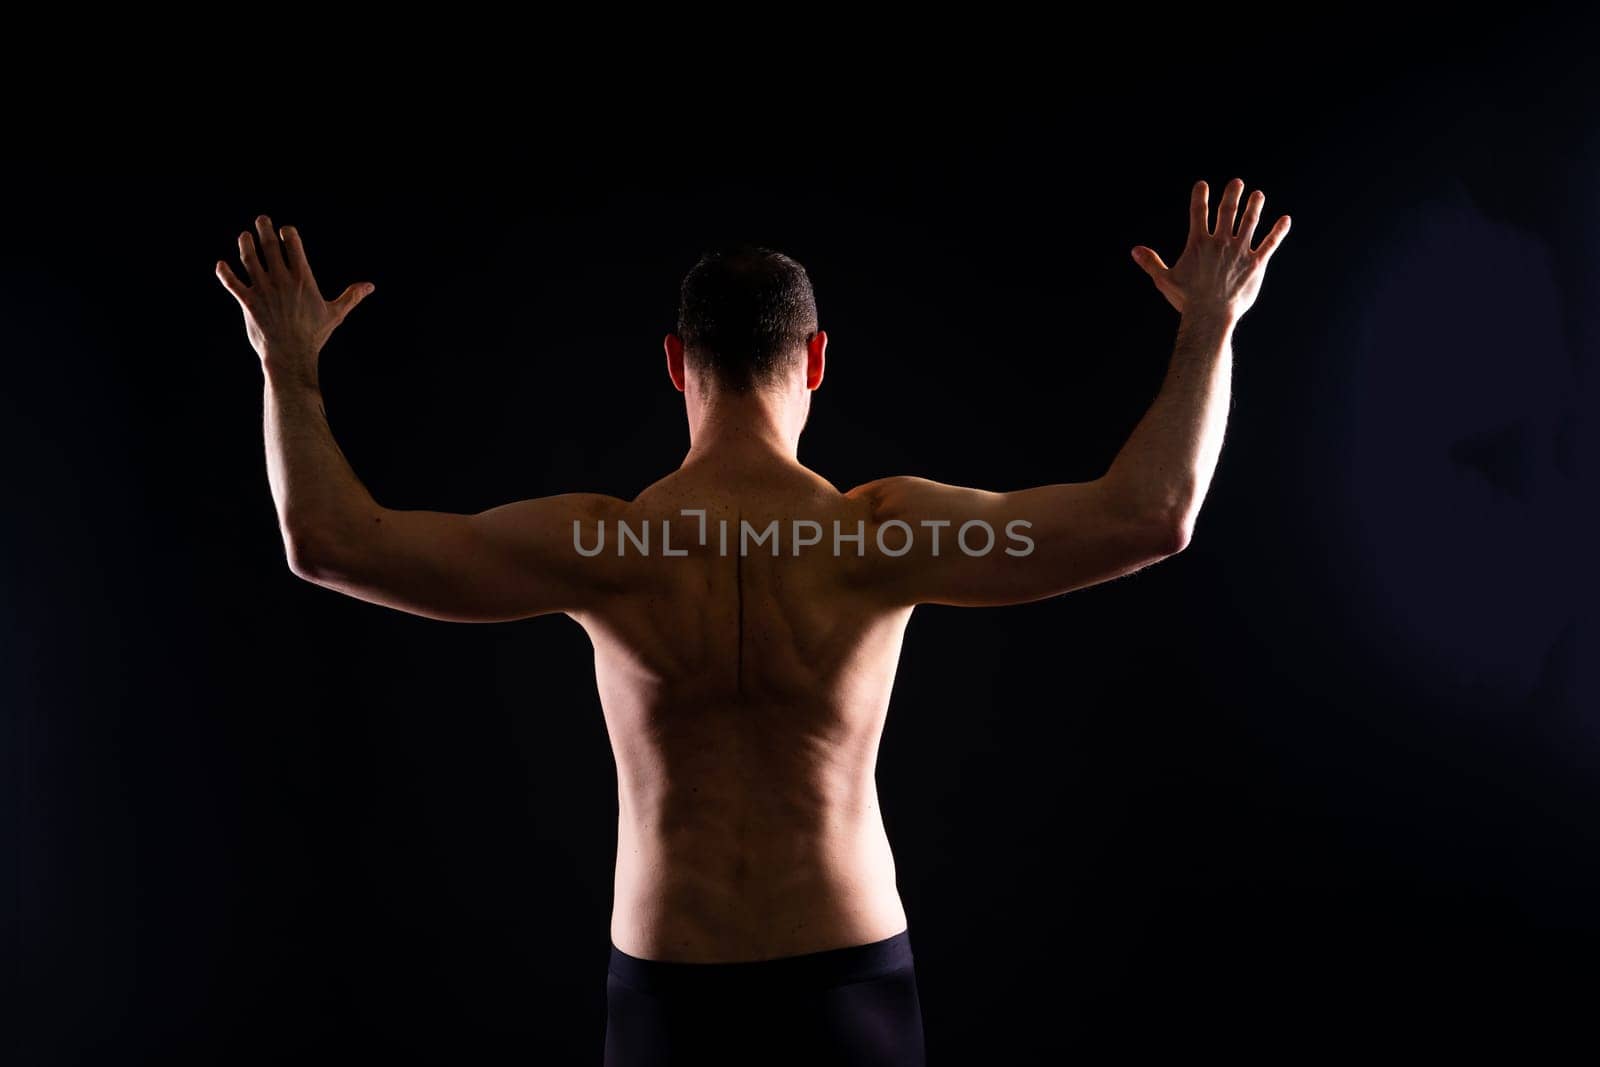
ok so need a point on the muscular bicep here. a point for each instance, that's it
(969, 547)
(509, 562)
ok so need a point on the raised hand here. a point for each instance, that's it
(285, 316)
(1218, 270)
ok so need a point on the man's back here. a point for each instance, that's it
(745, 686)
(747, 619)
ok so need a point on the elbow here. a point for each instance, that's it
(1171, 533)
(1162, 518)
(309, 554)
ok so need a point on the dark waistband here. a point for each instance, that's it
(830, 967)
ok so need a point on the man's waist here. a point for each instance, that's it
(713, 844)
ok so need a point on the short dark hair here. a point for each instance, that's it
(743, 310)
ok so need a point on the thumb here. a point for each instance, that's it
(346, 301)
(1149, 261)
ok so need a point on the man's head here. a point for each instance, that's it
(747, 320)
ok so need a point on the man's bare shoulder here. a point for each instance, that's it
(895, 495)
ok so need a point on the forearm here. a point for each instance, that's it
(319, 499)
(1167, 463)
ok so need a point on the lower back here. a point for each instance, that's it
(763, 862)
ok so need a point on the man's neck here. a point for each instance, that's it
(741, 427)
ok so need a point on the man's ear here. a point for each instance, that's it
(674, 348)
(816, 358)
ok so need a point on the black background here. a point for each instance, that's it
(1323, 780)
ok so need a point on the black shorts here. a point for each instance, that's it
(845, 1006)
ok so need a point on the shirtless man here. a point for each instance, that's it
(747, 618)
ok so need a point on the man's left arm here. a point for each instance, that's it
(509, 562)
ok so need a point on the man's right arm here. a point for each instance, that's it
(510, 562)
(1056, 538)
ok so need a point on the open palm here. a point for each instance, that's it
(1217, 267)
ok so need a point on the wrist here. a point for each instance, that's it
(290, 369)
(1218, 313)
